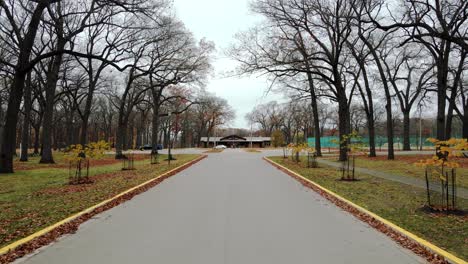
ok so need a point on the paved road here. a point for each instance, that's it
(231, 208)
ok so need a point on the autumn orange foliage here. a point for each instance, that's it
(78, 156)
(296, 149)
(445, 151)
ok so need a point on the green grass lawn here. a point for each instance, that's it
(214, 150)
(404, 166)
(61, 161)
(33, 199)
(252, 150)
(399, 203)
(33, 162)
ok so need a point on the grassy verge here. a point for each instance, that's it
(399, 203)
(61, 162)
(214, 151)
(33, 199)
(404, 166)
(252, 150)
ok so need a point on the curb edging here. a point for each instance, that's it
(398, 235)
(70, 224)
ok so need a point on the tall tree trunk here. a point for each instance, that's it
(1, 121)
(388, 107)
(36, 139)
(442, 74)
(453, 95)
(390, 132)
(119, 141)
(8, 141)
(343, 125)
(123, 116)
(139, 139)
(449, 121)
(343, 116)
(131, 133)
(55, 137)
(155, 121)
(315, 113)
(50, 87)
(370, 113)
(125, 138)
(87, 111)
(69, 129)
(121, 134)
(25, 136)
(200, 134)
(208, 134)
(84, 129)
(465, 122)
(52, 78)
(371, 131)
(406, 130)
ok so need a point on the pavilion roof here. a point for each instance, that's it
(240, 139)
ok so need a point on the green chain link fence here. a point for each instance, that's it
(330, 142)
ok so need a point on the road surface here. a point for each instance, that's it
(231, 208)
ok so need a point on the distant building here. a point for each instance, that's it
(234, 141)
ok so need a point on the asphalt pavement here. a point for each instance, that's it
(231, 208)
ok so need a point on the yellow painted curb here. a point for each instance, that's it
(88, 210)
(435, 249)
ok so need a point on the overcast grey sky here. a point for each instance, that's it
(219, 21)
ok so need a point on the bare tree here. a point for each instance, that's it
(23, 21)
(437, 26)
(328, 25)
(269, 116)
(410, 77)
(377, 44)
(26, 119)
(361, 55)
(23, 34)
(458, 93)
(110, 41)
(174, 58)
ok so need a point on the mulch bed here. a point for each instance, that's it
(442, 212)
(376, 224)
(72, 226)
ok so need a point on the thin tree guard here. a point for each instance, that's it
(312, 160)
(348, 168)
(78, 171)
(441, 188)
(128, 162)
(154, 156)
